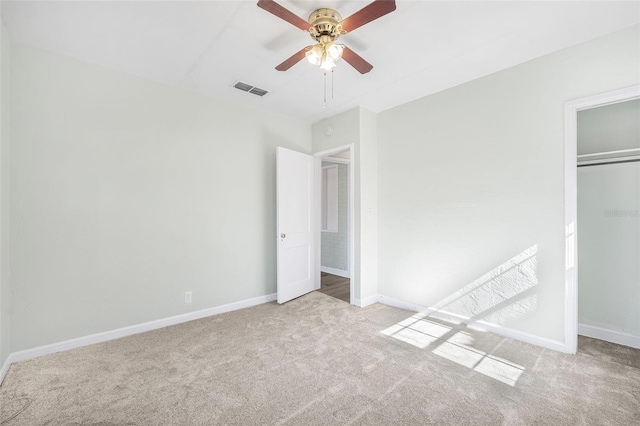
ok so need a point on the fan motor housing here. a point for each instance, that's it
(325, 22)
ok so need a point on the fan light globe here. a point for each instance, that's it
(334, 51)
(327, 63)
(315, 54)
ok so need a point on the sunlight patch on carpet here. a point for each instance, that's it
(457, 349)
(417, 331)
(422, 333)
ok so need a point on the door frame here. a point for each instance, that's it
(351, 215)
(571, 109)
(336, 161)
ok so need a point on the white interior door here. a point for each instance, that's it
(295, 202)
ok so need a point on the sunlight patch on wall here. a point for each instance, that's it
(514, 310)
(501, 294)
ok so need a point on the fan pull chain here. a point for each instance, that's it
(331, 83)
(324, 105)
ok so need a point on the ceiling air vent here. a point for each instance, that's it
(249, 88)
(259, 92)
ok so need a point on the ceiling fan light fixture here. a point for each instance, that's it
(325, 55)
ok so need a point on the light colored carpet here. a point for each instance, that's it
(318, 361)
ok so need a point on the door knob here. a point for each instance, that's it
(283, 236)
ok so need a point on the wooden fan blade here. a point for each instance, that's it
(368, 13)
(282, 13)
(356, 61)
(294, 59)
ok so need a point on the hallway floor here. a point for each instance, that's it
(335, 286)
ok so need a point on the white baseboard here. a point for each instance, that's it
(493, 328)
(128, 331)
(612, 336)
(5, 368)
(363, 303)
(334, 271)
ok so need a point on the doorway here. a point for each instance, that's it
(336, 231)
(594, 165)
(608, 228)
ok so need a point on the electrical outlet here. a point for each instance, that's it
(187, 297)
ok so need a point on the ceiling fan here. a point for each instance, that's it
(325, 26)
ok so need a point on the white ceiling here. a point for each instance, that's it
(206, 46)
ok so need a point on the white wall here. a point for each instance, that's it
(5, 133)
(609, 221)
(368, 203)
(126, 192)
(471, 184)
(609, 128)
(609, 247)
(358, 126)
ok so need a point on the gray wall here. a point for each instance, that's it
(126, 193)
(5, 190)
(609, 221)
(471, 182)
(335, 245)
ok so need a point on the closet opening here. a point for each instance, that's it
(607, 160)
(608, 222)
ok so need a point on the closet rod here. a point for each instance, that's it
(620, 151)
(610, 162)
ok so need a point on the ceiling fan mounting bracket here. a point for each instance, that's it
(325, 25)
